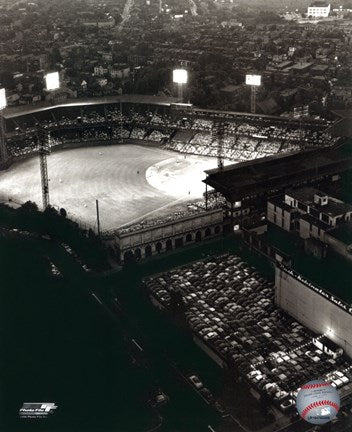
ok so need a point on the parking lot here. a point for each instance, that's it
(231, 308)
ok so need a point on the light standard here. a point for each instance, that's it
(254, 81)
(3, 149)
(180, 77)
(52, 83)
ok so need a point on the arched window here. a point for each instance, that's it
(168, 245)
(179, 242)
(128, 257)
(138, 254)
(148, 251)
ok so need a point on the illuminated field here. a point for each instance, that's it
(110, 174)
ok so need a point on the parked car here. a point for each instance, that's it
(196, 381)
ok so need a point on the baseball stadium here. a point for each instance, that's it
(152, 175)
(166, 149)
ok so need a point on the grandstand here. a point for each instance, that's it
(246, 186)
(154, 120)
(157, 122)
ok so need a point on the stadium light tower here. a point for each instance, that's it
(3, 149)
(254, 81)
(180, 77)
(219, 133)
(52, 83)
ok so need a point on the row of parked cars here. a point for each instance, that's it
(231, 308)
(69, 250)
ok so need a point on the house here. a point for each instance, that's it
(328, 347)
(314, 215)
(319, 9)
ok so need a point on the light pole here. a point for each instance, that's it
(180, 77)
(52, 83)
(254, 81)
(3, 148)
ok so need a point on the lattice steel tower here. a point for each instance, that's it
(43, 150)
(219, 132)
(3, 148)
(253, 98)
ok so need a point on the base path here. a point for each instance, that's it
(115, 175)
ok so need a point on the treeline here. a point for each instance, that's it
(58, 227)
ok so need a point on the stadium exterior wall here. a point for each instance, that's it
(166, 236)
(313, 307)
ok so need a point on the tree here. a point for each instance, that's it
(63, 212)
(50, 211)
(54, 56)
(29, 207)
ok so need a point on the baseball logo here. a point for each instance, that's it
(318, 402)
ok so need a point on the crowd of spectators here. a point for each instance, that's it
(22, 147)
(245, 136)
(191, 209)
(213, 201)
(231, 308)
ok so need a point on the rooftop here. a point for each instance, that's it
(342, 128)
(332, 273)
(279, 171)
(134, 98)
(319, 4)
(334, 207)
(231, 88)
(302, 65)
(328, 343)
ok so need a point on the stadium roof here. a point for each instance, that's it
(344, 113)
(134, 98)
(286, 120)
(342, 128)
(279, 171)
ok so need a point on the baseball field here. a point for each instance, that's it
(130, 181)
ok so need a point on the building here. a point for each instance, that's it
(247, 186)
(314, 215)
(342, 95)
(307, 209)
(100, 70)
(232, 92)
(122, 71)
(315, 308)
(154, 237)
(324, 344)
(319, 9)
(340, 240)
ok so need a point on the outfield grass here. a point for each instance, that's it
(115, 175)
